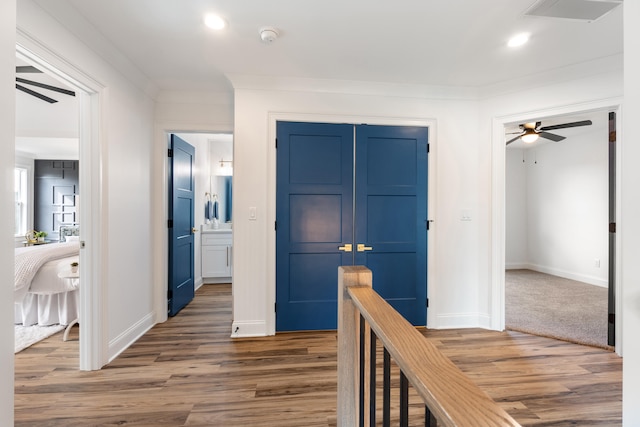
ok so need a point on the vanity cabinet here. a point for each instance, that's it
(217, 256)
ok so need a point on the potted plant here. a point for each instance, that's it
(40, 235)
(74, 267)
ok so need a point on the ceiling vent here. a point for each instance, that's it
(583, 10)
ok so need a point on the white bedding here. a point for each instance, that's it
(45, 298)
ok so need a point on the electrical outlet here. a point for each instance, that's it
(596, 263)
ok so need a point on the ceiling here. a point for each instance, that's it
(436, 42)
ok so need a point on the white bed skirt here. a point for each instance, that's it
(47, 309)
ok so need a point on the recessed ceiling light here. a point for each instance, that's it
(518, 40)
(214, 22)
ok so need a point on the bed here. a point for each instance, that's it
(46, 290)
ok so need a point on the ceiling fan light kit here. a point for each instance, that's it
(529, 136)
(532, 131)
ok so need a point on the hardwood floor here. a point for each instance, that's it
(188, 372)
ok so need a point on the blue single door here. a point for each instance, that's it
(314, 220)
(315, 210)
(181, 241)
(391, 214)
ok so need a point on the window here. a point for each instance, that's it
(21, 192)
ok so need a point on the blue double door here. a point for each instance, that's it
(349, 195)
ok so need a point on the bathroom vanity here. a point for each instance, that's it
(217, 255)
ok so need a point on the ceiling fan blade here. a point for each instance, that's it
(551, 136)
(36, 94)
(511, 140)
(568, 125)
(27, 69)
(46, 86)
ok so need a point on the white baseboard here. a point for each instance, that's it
(591, 280)
(462, 321)
(257, 328)
(128, 337)
(517, 266)
(216, 280)
(199, 282)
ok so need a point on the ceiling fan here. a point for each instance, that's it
(30, 69)
(531, 131)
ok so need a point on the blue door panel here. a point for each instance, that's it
(182, 222)
(314, 218)
(395, 279)
(318, 159)
(181, 241)
(311, 274)
(394, 167)
(391, 219)
(391, 214)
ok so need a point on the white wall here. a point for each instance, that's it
(565, 226)
(568, 206)
(629, 230)
(7, 130)
(516, 212)
(454, 188)
(126, 136)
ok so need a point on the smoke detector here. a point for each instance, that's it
(268, 34)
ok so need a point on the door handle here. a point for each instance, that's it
(346, 248)
(362, 247)
(194, 230)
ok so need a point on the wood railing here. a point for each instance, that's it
(449, 396)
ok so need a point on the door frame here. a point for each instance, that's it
(498, 203)
(160, 200)
(93, 347)
(273, 118)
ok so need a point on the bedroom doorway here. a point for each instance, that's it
(560, 196)
(70, 131)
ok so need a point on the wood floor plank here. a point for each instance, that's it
(189, 372)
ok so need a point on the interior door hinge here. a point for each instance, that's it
(170, 223)
(612, 227)
(428, 223)
(275, 225)
(427, 302)
(276, 143)
(612, 318)
(275, 307)
(170, 152)
(428, 148)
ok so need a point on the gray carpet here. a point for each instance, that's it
(555, 307)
